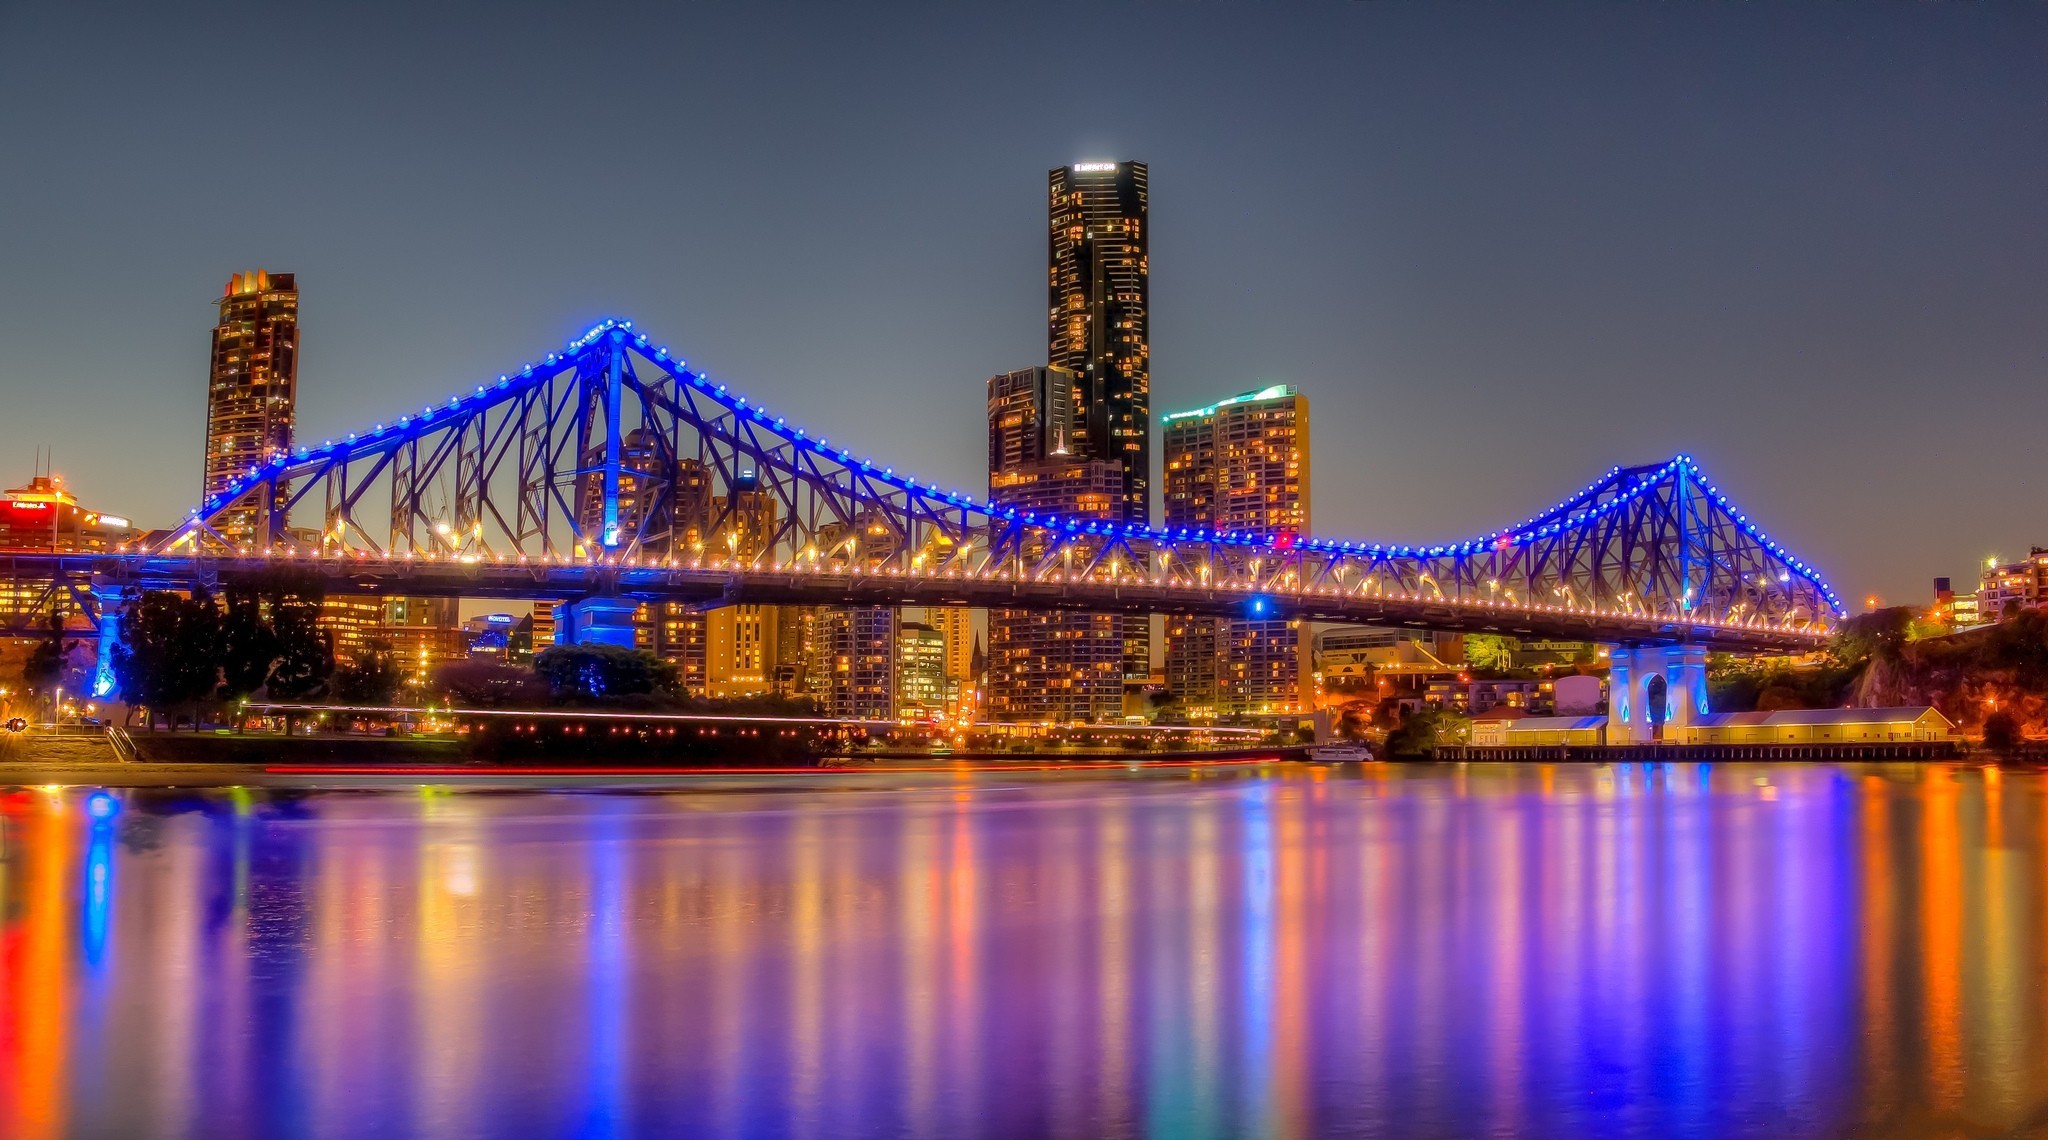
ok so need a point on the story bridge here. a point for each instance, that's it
(609, 474)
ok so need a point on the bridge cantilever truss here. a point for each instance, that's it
(612, 460)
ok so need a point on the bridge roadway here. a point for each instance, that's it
(710, 587)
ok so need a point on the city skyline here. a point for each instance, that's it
(1493, 346)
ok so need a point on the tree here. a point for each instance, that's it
(304, 653)
(599, 672)
(372, 678)
(1488, 652)
(168, 653)
(1879, 634)
(2001, 732)
(489, 684)
(248, 646)
(1423, 730)
(43, 672)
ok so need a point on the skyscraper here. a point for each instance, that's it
(1096, 317)
(252, 385)
(1098, 327)
(1240, 464)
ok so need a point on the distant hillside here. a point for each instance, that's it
(1967, 676)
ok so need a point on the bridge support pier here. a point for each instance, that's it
(595, 620)
(1632, 716)
(110, 602)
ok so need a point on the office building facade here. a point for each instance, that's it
(920, 689)
(858, 646)
(955, 625)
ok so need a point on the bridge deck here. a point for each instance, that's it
(722, 586)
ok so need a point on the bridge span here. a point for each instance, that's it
(609, 473)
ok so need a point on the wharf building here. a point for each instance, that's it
(1098, 328)
(252, 386)
(1240, 465)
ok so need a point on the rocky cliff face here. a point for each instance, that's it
(1966, 677)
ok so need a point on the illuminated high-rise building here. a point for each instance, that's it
(252, 386)
(920, 671)
(424, 633)
(1239, 465)
(740, 651)
(799, 652)
(1098, 327)
(353, 621)
(1050, 665)
(955, 625)
(1056, 665)
(858, 646)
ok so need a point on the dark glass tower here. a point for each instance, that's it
(1096, 320)
(1098, 327)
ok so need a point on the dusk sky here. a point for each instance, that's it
(1500, 247)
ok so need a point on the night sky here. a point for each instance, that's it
(1500, 247)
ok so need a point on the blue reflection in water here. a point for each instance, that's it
(605, 1007)
(99, 876)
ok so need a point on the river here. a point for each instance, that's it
(1668, 951)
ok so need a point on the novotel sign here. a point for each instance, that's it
(1094, 167)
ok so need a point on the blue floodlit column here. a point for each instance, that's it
(1684, 669)
(1685, 679)
(595, 620)
(1621, 706)
(109, 599)
(614, 392)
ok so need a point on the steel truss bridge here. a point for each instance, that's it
(609, 470)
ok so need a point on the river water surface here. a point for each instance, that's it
(1676, 950)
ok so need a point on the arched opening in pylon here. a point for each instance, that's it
(1656, 697)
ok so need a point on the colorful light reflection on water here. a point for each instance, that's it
(1526, 950)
